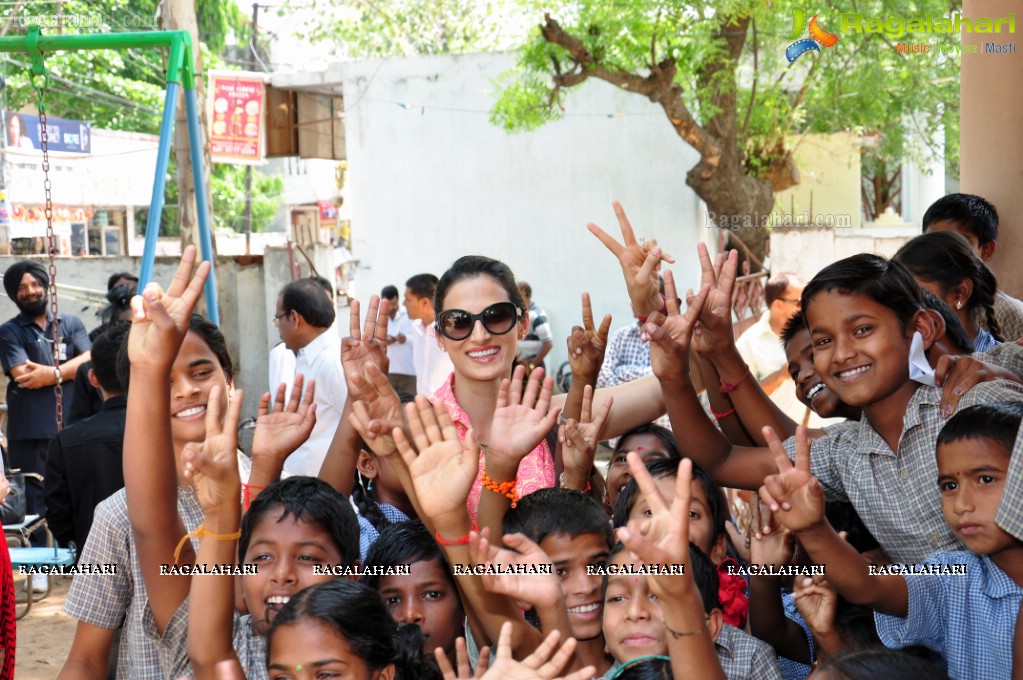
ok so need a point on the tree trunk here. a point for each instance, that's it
(736, 201)
(180, 15)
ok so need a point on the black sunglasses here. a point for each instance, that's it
(498, 319)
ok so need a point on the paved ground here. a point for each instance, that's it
(44, 637)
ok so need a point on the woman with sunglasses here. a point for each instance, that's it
(480, 322)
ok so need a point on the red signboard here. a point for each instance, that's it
(236, 120)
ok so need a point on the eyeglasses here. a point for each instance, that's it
(793, 301)
(277, 319)
(498, 319)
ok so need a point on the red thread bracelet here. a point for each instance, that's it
(719, 416)
(731, 387)
(458, 541)
(663, 310)
(248, 495)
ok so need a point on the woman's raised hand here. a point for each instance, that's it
(522, 419)
(160, 318)
(587, 344)
(444, 470)
(212, 465)
(639, 261)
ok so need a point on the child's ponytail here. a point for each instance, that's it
(367, 504)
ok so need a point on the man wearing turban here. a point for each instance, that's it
(26, 353)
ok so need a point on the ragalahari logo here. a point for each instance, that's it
(818, 36)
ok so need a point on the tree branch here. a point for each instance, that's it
(659, 87)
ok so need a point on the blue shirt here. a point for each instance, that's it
(368, 533)
(984, 341)
(970, 618)
(33, 413)
(794, 670)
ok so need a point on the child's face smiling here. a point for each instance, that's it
(580, 590)
(649, 447)
(427, 598)
(284, 552)
(196, 370)
(810, 388)
(308, 649)
(971, 474)
(859, 349)
(632, 616)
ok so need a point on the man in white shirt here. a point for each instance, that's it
(304, 318)
(282, 359)
(432, 364)
(761, 348)
(402, 372)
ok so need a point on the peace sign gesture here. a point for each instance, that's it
(365, 345)
(160, 318)
(715, 330)
(662, 538)
(212, 465)
(671, 335)
(639, 261)
(794, 495)
(586, 344)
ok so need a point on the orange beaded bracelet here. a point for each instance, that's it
(506, 489)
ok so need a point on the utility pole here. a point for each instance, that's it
(179, 15)
(248, 168)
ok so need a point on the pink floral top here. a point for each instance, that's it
(536, 471)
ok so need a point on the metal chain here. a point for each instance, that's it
(51, 241)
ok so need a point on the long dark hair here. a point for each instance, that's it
(356, 613)
(945, 258)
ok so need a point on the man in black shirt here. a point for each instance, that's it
(83, 465)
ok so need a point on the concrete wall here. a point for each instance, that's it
(247, 299)
(430, 179)
(807, 251)
(829, 181)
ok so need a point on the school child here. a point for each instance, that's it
(427, 596)
(652, 442)
(297, 533)
(871, 664)
(863, 313)
(104, 603)
(572, 531)
(707, 519)
(342, 629)
(976, 220)
(963, 603)
(380, 499)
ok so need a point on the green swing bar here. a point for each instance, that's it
(179, 72)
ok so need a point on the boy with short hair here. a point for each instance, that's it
(573, 531)
(964, 603)
(976, 220)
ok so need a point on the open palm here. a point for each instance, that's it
(522, 417)
(445, 468)
(282, 428)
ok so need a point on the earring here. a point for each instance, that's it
(369, 487)
(362, 483)
(959, 304)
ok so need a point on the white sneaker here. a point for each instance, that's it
(40, 583)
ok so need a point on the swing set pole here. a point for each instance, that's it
(179, 73)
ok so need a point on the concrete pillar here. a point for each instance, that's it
(991, 134)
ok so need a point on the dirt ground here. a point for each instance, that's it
(44, 636)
